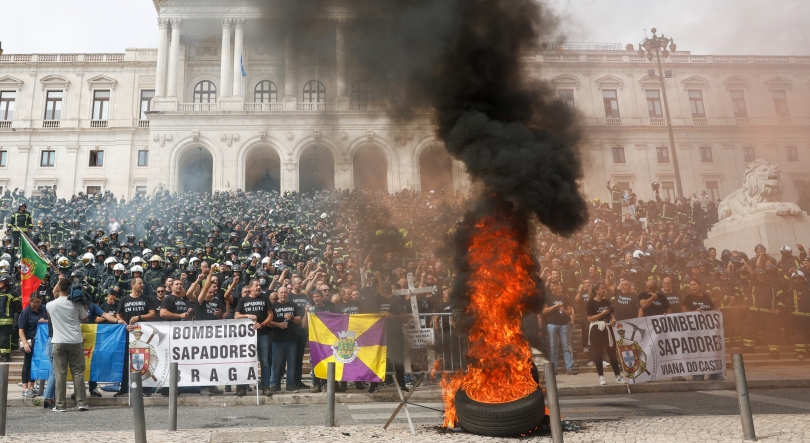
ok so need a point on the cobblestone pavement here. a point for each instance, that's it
(769, 428)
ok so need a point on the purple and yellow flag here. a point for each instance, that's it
(355, 343)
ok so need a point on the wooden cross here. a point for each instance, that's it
(413, 291)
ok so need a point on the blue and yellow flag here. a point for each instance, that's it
(355, 343)
(104, 348)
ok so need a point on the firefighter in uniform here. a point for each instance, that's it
(615, 198)
(761, 298)
(19, 222)
(6, 201)
(9, 305)
(799, 301)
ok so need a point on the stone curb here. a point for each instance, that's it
(429, 394)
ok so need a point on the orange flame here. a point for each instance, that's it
(498, 359)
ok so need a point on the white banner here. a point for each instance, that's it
(665, 346)
(420, 338)
(207, 353)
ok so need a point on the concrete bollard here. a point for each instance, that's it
(173, 380)
(330, 395)
(136, 393)
(553, 403)
(742, 396)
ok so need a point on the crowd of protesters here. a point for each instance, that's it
(272, 257)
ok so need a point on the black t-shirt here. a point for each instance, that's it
(444, 320)
(259, 307)
(597, 307)
(279, 309)
(175, 305)
(674, 302)
(658, 307)
(369, 305)
(395, 306)
(301, 301)
(324, 308)
(626, 306)
(694, 302)
(351, 308)
(108, 308)
(130, 307)
(557, 316)
(207, 309)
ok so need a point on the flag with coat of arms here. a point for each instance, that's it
(355, 343)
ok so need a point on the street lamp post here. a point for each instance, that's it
(657, 47)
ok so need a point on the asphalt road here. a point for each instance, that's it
(767, 401)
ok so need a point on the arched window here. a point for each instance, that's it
(311, 95)
(205, 92)
(265, 92)
(362, 92)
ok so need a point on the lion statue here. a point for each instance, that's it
(761, 192)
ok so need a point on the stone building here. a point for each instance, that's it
(227, 102)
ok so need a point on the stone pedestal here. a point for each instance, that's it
(771, 230)
(231, 104)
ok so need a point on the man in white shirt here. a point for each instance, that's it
(68, 344)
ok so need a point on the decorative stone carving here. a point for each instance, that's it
(229, 138)
(344, 136)
(370, 135)
(344, 166)
(403, 138)
(162, 139)
(195, 135)
(290, 136)
(262, 136)
(290, 167)
(761, 192)
(316, 134)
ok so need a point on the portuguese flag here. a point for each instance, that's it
(33, 269)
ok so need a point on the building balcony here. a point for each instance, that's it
(51, 124)
(703, 122)
(700, 121)
(613, 121)
(316, 106)
(368, 106)
(266, 107)
(198, 107)
(658, 122)
(143, 123)
(98, 123)
(5, 124)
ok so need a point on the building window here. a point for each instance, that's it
(792, 153)
(146, 102)
(611, 102)
(696, 104)
(314, 92)
(96, 158)
(567, 97)
(47, 159)
(140, 190)
(618, 155)
(713, 189)
(654, 103)
(3, 159)
(663, 154)
(668, 189)
(53, 105)
(706, 154)
(265, 92)
(143, 158)
(101, 104)
(205, 92)
(92, 190)
(7, 105)
(362, 92)
(749, 154)
(780, 103)
(738, 102)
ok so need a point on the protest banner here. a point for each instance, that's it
(103, 353)
(665, 346)
(207, 353)
(355, 343)
(420, 338)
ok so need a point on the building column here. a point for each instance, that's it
(225, 68)
(289, 74)
(237, 56)
(174, 59)
(163, 40)
(340, 65)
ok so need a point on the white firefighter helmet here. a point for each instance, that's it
(183, 261)
(255, 255)
(119, 267)
(147, 252)
(110, 260)
(638, 254)
(63, 262)
(4, 264)
(266, 260)
(137, 269)
(88, 258)
(137, 261)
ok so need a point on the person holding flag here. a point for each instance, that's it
(33, 269)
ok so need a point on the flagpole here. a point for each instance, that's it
(39, 253)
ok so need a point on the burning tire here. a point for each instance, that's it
(500, 419)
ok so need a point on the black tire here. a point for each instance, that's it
(500, 419)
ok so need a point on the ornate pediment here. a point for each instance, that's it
(565, 80)
(609, 81)
(54, 82)
(101, 82)
(695, 82)
(778, 82)
(9, 82)
(736, 82)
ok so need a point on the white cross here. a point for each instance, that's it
(413, 291)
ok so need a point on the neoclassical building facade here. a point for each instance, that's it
(225, 103)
